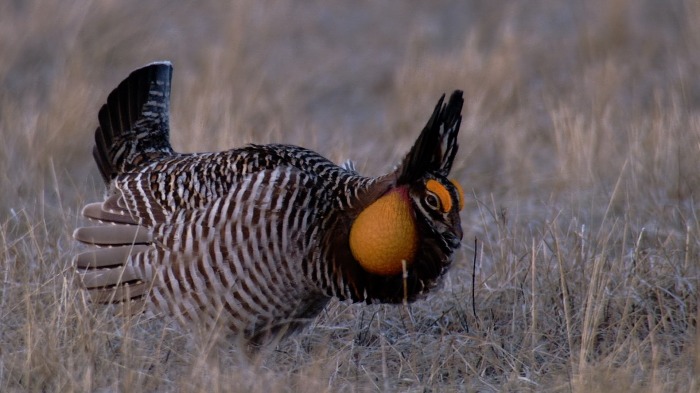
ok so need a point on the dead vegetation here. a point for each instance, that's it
(580, 150)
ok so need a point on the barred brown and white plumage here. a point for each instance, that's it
(258, 239)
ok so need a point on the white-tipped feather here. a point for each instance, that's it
(95, 211)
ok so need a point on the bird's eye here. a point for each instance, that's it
(432, 201)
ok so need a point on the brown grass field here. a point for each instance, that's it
(580, 155)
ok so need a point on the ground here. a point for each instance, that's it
(580, 150)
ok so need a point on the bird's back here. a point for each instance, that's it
(229, 238)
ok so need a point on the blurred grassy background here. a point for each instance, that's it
(580, 150)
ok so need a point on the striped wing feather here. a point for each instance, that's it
(238, 259)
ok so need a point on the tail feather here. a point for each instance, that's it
(107, 277)
(107, 257)
(436, 147)
(96, 211)
(134, 123)
(119, 294)
(116, 270)
(113, 235)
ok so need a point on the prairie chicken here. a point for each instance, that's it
(258, 239)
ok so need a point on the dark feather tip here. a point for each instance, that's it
(436, 147)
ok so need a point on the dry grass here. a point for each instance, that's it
(580, 149)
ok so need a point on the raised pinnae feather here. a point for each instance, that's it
(436, 147)
(451, 124)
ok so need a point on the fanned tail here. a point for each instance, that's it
(134, 123)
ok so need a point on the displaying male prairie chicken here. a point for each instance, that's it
(258, 239)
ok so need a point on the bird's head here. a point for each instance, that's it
(414, 226)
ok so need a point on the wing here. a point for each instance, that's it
(237, 259)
